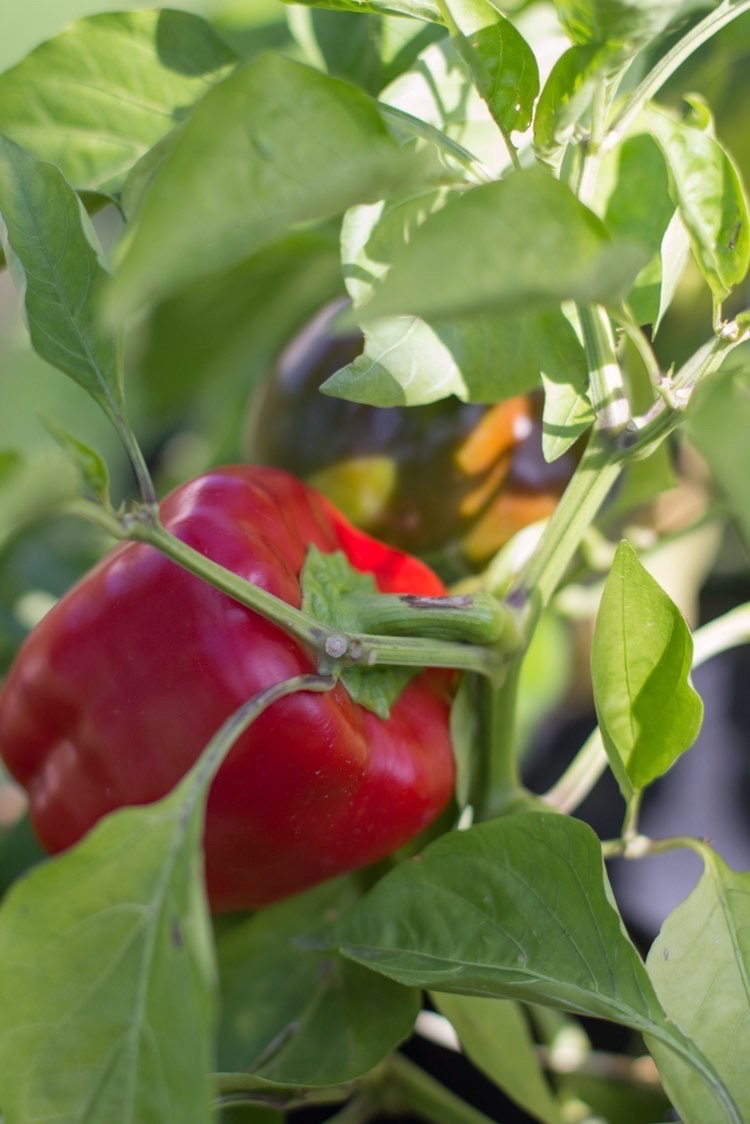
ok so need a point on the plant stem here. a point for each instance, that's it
(608, 397)
(332, 647)
(411, 1089)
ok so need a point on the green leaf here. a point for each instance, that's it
(641, 655)
(273, 145)
(417, 9)
(107, 988)
(328, 581)
(502, 63)
(56, 265)
(517, 908)
(625, 23)
(91, 466)
(565, 100)
(32, 487)
(718, 424)
(98, 96)
(287, 1007)
(495, 1036)
(708, 192)
(524, 243)
(639, 207)
(700, 966)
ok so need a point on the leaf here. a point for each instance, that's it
(328, 582)
(526, 243)
(641, 655)
(287, 1007)
(90, 465)
(639, 207)
(98, 96)
(108, 983)
(107, 987)
(707, 190)
(495, 1036)
(58, 272)
(502, 63)
(566, 100)
(32, 487)
(417, 9)
(626, 23)
(700, 966)
(518, 908)
(718, 423)
(273, 145)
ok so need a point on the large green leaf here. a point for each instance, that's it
(708, 191)
(640, 662)
(107, 982)
(56, 264)
(287, 1007)
(273, 145)
(524, 243)
(98, 96)
(502, 63)
(495, 1036)
(518, 908)
(700, 967)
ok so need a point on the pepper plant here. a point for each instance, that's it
(511, 200)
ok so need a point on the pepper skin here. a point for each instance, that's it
(118, 689)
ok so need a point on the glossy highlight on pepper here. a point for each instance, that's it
(116, 692)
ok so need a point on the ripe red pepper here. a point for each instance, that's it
(119, 688)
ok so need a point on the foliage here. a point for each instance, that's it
(532, 198)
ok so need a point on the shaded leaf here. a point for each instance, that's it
(641, 656)
(707, 190)
(495, 1036)
(55, 262)
(626, 23)
(526, 243)
(98, 96)
(565, 100)
(706, 941)
(273, 145)
(287, 1008)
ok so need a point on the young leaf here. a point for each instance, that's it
(286, 1010)
(495, 1036)
(273, 145)
(57, 268)
(641, 655)
(98, 96)
(566, 99)
(502, 63)
(526, 243)
(91, 466)
(518, 908)
(700, 967)
(708, 191)
(328, 580)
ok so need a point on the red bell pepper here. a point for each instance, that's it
(118, 689)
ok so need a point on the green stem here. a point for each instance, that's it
(410, 1089)
(501, 782)
(333, 648)
(672, 61)
(608, 397)
(477, 618)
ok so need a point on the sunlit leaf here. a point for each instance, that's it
(708, 191)
(641, 655)
(98, 96)
(525, 243)
(273, 145)
(626, 23)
